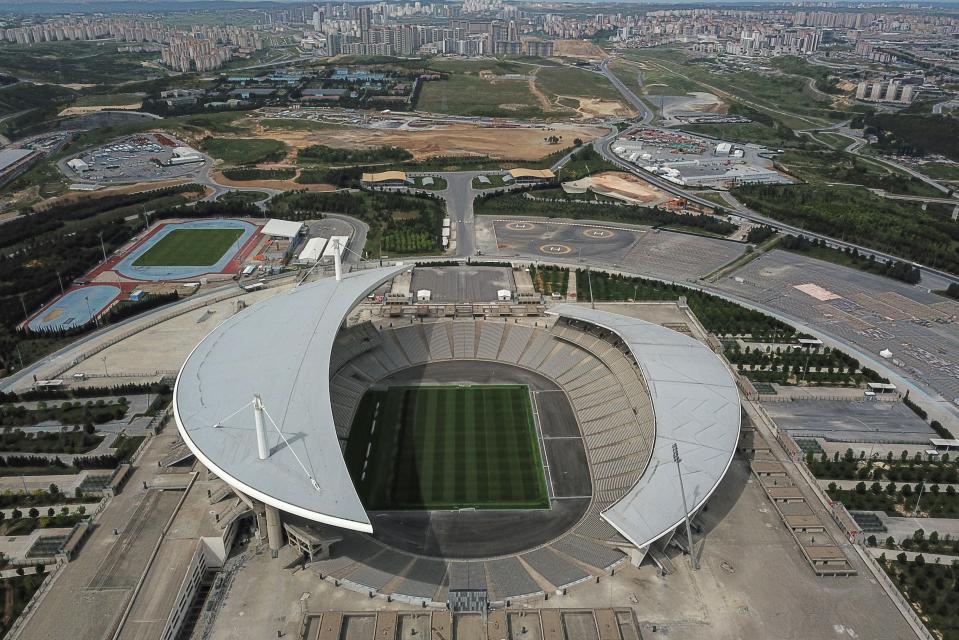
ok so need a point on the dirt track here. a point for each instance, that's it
(454, 140)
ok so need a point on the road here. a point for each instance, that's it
(603, 146)
(645, 113)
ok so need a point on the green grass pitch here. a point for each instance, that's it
(189, 248)
(447, 447)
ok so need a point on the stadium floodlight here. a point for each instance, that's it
(689, 531)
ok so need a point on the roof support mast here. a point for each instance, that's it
(337, 260)
(261, 445)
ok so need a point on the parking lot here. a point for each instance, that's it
(664, 254)
(139, 158)
(841, 421)
(869, 311)
(696, 161)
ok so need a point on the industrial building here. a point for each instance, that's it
(14, 162)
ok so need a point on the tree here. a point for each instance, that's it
(871, 541)
(890, 542)
(861, 488)
(16, 514)
(34, 512)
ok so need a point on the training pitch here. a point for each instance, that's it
(447, 447)
(189, 247)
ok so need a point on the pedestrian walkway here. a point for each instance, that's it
(930, 557)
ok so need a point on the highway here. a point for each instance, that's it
(604, 147)
(645, 113)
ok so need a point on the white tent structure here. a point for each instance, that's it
(281, 228)
(313, 250)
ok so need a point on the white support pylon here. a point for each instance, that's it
(337, 260)
(261, 445)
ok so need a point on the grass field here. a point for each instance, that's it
(189, 248)
(473, 96)
(438, 448)
(241, 151)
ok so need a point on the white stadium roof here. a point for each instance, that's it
(696, 405)
(694, 397)
(290, 369)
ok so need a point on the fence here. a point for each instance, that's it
(918, 626)
(31, 607)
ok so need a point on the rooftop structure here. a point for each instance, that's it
(696, 405)
(244, 357)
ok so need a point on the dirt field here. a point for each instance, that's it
(578, 49)
(77, 111)
(595, 108)
(455, 140)
(618, 185)
(284, 185)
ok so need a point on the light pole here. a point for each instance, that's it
(60, 280)
(916, 509)
(105, 373)
(96, 323)
(689, 531)
(102, 247)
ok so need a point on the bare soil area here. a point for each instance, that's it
(454, 140)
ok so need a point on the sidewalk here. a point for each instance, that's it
(930, 557)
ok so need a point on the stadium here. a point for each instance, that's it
(459, 455)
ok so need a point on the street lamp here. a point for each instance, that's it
(103, 247)
(689, 531)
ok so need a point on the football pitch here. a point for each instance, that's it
(447, 447)
(189, 248)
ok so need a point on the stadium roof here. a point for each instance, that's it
(696, 405)
(9, 157)
(280, 349)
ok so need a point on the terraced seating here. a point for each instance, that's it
(438, 338)
(487, 347)
(424, 579)
(516, 341)
(411, 341)
(508, 578)
(610, 400)
(560, 572)
(464, 339)
(590, 553)
(351, 342)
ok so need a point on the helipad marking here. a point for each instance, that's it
(520, 226)
(597, 234)
(555, 249)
